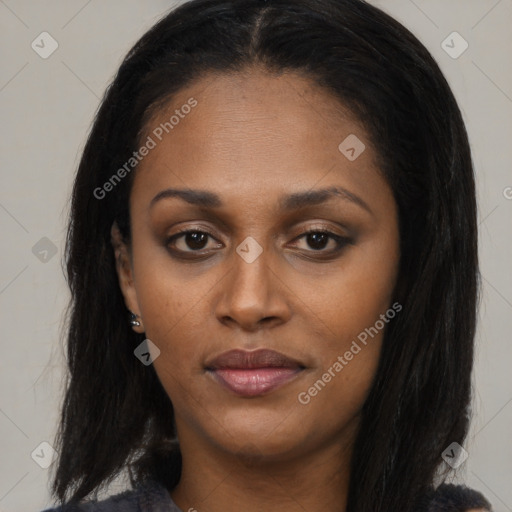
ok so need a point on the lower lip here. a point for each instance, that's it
(254, 381)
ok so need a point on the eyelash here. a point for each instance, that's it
(341, 241)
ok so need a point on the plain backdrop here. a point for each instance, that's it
(47, 106)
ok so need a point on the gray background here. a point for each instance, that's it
(47, 106)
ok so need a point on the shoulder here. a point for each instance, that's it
(148, 497)
(455, 498)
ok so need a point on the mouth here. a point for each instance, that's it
(254, 373)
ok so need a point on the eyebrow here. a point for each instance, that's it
(295, 201)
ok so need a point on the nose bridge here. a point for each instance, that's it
(251, 271)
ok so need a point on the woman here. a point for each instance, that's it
(280, 195)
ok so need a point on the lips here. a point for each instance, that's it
(253, 373)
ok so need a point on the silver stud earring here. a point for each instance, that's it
(133, 320)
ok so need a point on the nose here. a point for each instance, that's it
(252, 295)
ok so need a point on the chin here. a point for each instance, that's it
(260, 434)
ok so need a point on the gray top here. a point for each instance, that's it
(152, 497)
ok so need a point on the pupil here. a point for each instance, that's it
(315, 238)
(196, 242)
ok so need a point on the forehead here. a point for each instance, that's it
(253, 133)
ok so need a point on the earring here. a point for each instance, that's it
(133, 320)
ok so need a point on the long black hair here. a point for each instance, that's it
(115, 413)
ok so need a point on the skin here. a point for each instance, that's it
(252, 138)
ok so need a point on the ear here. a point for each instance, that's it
(125, 275)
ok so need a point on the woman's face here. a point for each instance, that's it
(253, 162)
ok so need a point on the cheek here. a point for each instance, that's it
(170, 295)
(350, 300)
(169, 308)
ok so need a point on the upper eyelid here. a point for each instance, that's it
(317, 228)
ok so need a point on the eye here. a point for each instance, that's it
(189, 240)
(195, 240)
(318, 240)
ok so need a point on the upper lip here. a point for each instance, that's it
(243, 359)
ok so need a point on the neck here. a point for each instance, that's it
(217, 481)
